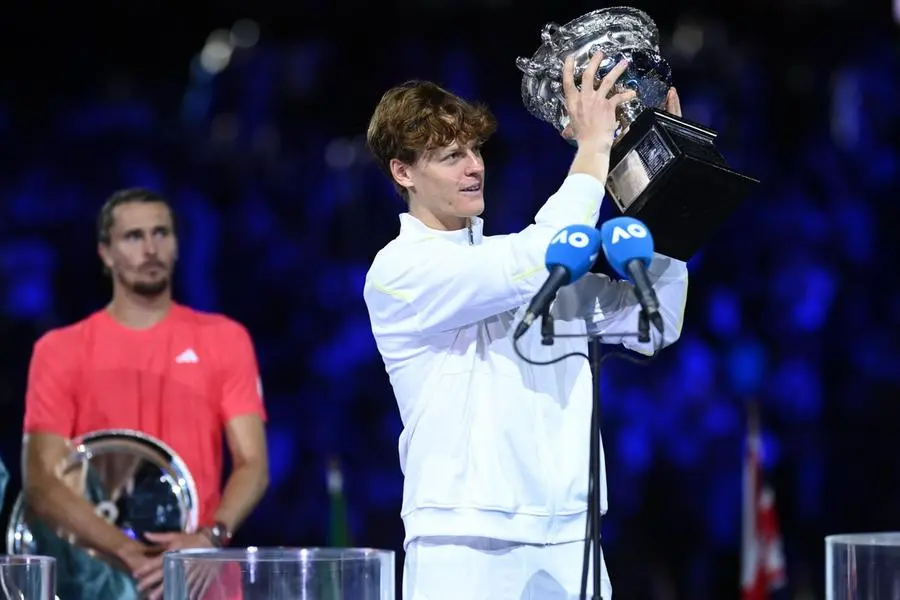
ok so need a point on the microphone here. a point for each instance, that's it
(569, 256)
(628, 247)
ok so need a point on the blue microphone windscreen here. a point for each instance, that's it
(575, 248)
(624, 240)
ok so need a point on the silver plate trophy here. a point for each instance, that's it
(664, 170)
(134, 481)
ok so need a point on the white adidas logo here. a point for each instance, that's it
(188, 356)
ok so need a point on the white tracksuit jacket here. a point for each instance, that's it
(493, 446)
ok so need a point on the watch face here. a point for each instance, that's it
(220, 534)
(222, 531)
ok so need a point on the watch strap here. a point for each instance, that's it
(218, 535)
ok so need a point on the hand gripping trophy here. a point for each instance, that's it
(664, 170)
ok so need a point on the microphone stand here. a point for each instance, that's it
(643, 327)
(595, 475)
(595, 471)
(547, 331)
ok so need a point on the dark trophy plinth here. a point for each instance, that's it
(667, 172)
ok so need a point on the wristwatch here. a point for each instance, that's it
(218, 535)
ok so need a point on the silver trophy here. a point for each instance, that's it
(134, 481)
(664, 169)
(619, 32)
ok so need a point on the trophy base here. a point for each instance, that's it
(668, 173)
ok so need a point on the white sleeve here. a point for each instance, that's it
(611, 307)
(436, 286)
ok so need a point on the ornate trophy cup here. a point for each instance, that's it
(664, 170)
(134, 481)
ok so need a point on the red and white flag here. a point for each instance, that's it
(762, 556)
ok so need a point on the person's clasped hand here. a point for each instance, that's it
(149, 575)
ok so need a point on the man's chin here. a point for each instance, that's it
(473, 208)
(150, 289)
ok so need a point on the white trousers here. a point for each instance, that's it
(472, 568)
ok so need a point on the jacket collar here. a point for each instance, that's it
(470, 236)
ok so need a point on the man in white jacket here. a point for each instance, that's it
(494, 450)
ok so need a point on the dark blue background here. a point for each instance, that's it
(794, 305)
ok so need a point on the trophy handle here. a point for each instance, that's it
(529, 67)
(547, 33)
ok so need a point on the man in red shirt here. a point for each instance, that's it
(149, 364)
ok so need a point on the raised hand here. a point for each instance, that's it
(592, 110)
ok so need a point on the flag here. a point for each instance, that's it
(762, 556)
(339, 527)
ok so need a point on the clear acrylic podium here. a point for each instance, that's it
(862, 566)
(24, 577)
(279, 574)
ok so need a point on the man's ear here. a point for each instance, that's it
(402, 173)
(103, 253)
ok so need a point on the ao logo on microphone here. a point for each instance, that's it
(577, 239)
(633, 230)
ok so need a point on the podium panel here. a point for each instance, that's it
(862, 565)
(27, 577)
(280, 574)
